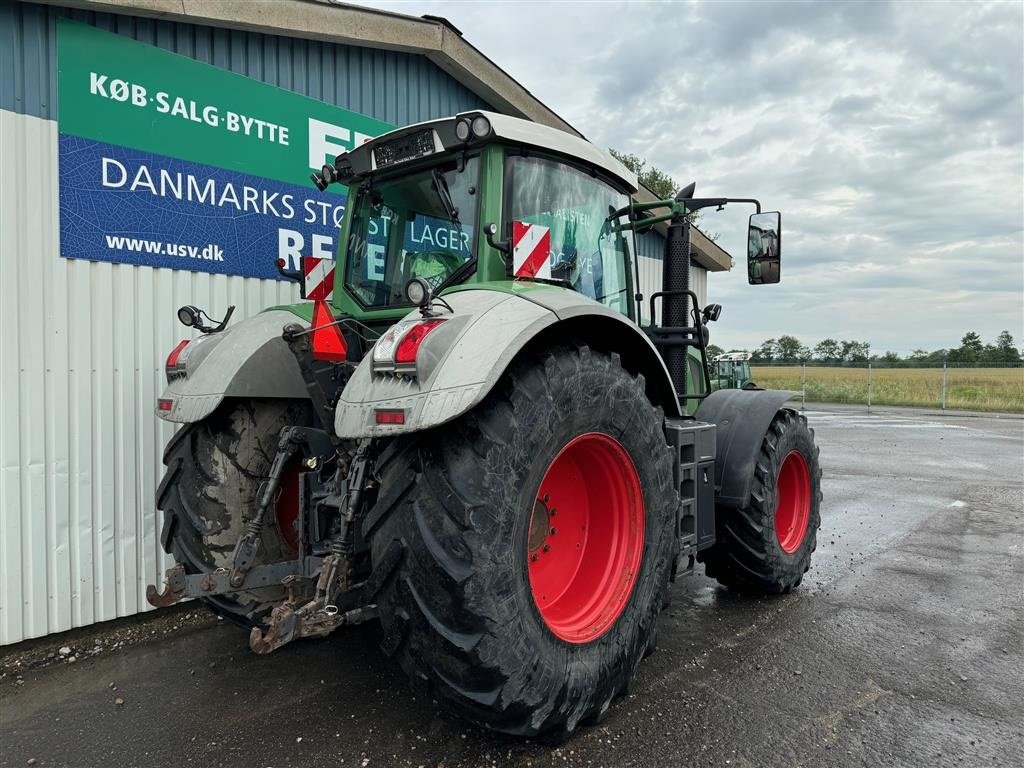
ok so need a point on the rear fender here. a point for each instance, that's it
(463, 359)
(249, 359)
(741, 417)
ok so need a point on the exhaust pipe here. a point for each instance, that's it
(675, 276)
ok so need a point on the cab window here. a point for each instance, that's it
(586, 251)
(420, 225)
(695, 374)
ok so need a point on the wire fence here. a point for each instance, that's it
(991, 387)
(876, 364)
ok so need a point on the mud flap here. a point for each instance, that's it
(741, 417)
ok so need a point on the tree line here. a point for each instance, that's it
(972, 350)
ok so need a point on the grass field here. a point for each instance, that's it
(972, 389)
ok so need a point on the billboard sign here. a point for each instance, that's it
(170, 162)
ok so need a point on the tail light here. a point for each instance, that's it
(390, 416)
(410, 343)
(175, 365)
(397, 348)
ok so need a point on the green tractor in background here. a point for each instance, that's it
(469, 435)
(731, 371)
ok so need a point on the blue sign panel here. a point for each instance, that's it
(126, 205)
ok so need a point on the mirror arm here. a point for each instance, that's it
(504, 247)
(755, 203)
(288, 274)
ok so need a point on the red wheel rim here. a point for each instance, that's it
(287, 508)
(586, 538)
(792, 501)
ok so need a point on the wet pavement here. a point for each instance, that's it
(903, 647)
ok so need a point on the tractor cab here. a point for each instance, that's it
(483, 200)
(731, 371)
(480, 198)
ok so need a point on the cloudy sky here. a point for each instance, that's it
(889, 135)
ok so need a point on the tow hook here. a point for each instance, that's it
(175, 584)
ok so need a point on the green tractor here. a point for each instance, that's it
(468, 435)
(731, 371)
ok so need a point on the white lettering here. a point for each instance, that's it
(289, 247)
(228, 195)
(324, 143)
(374, 262)
(119, 90)
(96, 84)
(107, 163)
(200, 195)
(323, 246)
(138, 95)
(143, 179)
(210, 116)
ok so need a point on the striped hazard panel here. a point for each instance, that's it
(531, 250)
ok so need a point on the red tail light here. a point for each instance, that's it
(172, 359)
(174, 368)
(390, 416)
(410, 343)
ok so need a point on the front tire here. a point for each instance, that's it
(765, 548)
(478, 610)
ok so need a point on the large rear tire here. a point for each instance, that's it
(210, 490)
(765, 548)
(538, 535)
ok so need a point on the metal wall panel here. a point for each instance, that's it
(651, 248)
(83, 350)
(399, 88)
(83, 343)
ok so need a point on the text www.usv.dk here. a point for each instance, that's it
(209, 252)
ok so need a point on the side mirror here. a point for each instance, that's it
(712, 312)
(764, 248)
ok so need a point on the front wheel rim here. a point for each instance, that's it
(586, 537)
(792, 502)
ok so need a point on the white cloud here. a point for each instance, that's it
(890, 136)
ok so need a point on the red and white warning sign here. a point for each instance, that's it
(318, 278)
(531, 250)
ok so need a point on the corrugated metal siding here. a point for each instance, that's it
(399, 88)
(651, 248)
(84, 343)
(83, 350)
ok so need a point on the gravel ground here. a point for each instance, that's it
(903, 647)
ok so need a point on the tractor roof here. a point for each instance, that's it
(504, 128)
(533, 134)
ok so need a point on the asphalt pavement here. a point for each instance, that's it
(903, 647)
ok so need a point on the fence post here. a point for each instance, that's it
(943, 386)
(803, 390)
(869, 386)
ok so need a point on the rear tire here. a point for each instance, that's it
(765, 548)
(459, 610)
(210, 490)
